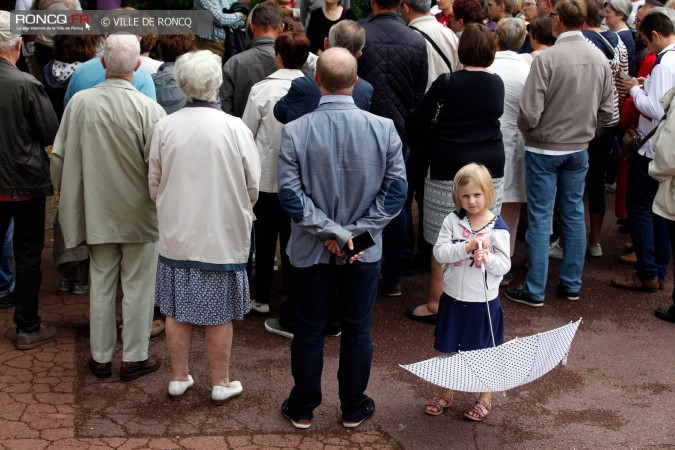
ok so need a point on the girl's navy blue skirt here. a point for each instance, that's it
(464, 326)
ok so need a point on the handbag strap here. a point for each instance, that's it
(435, 46)
(444, 91)
(649, 135)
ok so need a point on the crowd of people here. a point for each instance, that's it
(183, 161)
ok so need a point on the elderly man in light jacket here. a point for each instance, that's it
(99, 163)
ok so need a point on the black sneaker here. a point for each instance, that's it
(393, 291)
(518, 295)
(274, 327)
(7, 302)
(569, 295)
(367, 414)
(301, 424)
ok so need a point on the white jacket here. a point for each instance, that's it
(203, 174)
(259, 118)
(462, 280)
(445, 39)
(662, 167)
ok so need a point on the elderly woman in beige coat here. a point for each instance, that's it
(204, 172)
(662, 169)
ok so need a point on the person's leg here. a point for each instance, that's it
(571, 175)
(661, 248)
(104, 261)
(357, 288)
(29, 232)
(312, 290)
(178, 338)
(639, 199)
(138, 269)
(671, 235)
(393, 248)
(6, 274)
(541, 176)
(599, 151)
(219, 345)
(284, 236)
(511, 216)
(266, 233)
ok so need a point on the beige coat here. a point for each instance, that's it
(100, 166)
(662, 167)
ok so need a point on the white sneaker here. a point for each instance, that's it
(595, 250)
(221, 394)
(178, 388)
(260, 308)
(274, 327)
(554, 251)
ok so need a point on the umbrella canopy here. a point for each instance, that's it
(506, 366)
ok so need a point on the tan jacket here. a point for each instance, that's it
(445, 39)
(100, 165)
(567, 95)
(662, 167)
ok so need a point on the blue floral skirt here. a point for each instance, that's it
(202, 297)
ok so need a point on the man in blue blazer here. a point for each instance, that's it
(303, 96)
(341, 174)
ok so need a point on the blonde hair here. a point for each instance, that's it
(478, 174)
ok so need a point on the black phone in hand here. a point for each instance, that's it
(361, 242)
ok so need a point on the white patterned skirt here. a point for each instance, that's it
(202, 297)
(438, 204)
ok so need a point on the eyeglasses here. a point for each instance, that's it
(553, 14)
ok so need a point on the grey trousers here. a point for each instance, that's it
(136, 264)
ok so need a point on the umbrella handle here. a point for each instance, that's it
(482, 265)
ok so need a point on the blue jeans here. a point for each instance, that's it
(649, 231)
(6, 275)
(393, 249)
(313, 288)
(543, 175)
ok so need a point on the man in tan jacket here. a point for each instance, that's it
(99, 164)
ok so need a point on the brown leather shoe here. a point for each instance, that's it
(132, 370)
(634, 283)
(100, 370)
(628, 258)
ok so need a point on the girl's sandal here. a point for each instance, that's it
(479, 411)
(437, 405)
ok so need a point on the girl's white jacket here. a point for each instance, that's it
(462, 278)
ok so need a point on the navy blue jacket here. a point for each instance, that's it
(394, 61)
(304, 95)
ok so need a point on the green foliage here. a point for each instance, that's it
(359, 7)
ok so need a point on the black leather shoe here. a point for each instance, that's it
(132, 370)
(665, 314)
(367, 414)
(431, 319)
(100, 370)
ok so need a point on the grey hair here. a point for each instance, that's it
(121, 54)
(624, 7)
(8, 41)
(510, 5)
(199, 75)
(347, 34)
(420, 6)
(511, 33)
(669, 13)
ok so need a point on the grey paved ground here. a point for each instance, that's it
(615, 392)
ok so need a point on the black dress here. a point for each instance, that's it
(318, 26)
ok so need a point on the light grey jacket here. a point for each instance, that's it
(567, 95)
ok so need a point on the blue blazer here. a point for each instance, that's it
(341, 172)
(303, 97)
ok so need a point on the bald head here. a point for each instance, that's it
(336, 71)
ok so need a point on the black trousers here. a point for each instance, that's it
(271, 223)
(29, 239)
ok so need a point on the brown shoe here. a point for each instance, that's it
(628, 258)
(157, 328)
(100, 370)
(132, 370)
(26, 341)
(634, 283)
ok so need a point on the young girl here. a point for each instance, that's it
(463, 322)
